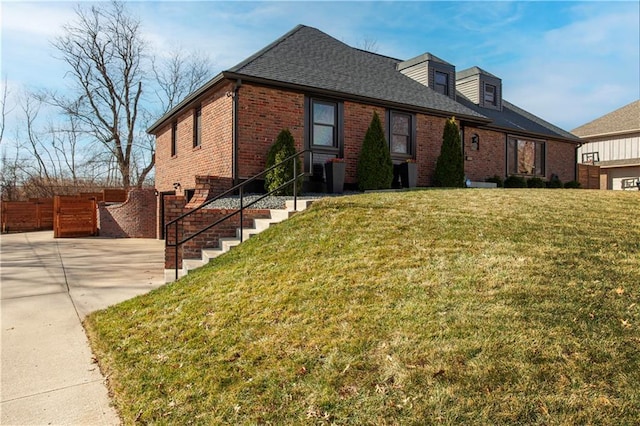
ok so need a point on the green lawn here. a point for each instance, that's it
(423, 307)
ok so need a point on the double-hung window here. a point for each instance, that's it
(525, 157)
(442, 82)
(400, 133)
(174, 139)
(197, 127)
(490, 94)
(324, 117)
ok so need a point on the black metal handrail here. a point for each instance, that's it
(240, 188)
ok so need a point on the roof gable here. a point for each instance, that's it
(622, 120)
(310, 58)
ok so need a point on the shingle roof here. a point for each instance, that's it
(625, 119)
(516, 119)
(310, 58)
(472, 71)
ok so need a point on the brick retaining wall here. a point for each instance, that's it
(135, 218)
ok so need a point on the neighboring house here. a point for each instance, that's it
(613, 143)
(325, 92)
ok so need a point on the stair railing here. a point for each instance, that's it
(240, 189)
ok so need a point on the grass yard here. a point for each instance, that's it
(424, 307)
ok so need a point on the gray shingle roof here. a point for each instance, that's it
(472, 71)
(625, 119)
(518, 120)
(310, 58)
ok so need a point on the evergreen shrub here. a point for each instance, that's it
(450, 165)
(375, 170)
(515, 182)
(283, 147)
(536, 182)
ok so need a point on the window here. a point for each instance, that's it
(475, 142)
(197, 127)
(442, 83)
(525, 157)
(174, 139)
(324, 116)
(400, 133)
(490, 94)
(590, 157)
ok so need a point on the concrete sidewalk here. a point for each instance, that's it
(48, 286)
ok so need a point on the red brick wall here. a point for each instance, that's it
(262, 113)
(212, 157)
(357, 118)
(197, 221)
(561, 160)
(208, 187)
(487, 161)
(135, 218)
(429, 131)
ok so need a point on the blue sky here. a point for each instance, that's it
(568, 62)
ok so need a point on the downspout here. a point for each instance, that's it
(234, 132)
(575, 171)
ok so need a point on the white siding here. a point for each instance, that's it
(469, 89)
(622, 148)
(418, 72)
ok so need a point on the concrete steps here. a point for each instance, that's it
(226, 244)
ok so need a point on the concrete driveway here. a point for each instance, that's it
(48, 286)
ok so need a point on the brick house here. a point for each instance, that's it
(325, 92)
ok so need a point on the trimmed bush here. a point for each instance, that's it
(573, 184)
(554, 182)
(496, 179)
(450, 165)
(375, 170)
(515, 182)
(283, 147)
(536, 182)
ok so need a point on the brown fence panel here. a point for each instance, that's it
(589, 176)
(74, 217)
(26, 216)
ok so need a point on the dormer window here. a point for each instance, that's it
(442, 83)
(490, 94)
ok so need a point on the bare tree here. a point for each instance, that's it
(4, 111)
(104, 49)
(369, 44)
(179, 74)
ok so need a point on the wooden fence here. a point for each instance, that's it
(38, 214)
(74, 216)
(589, 176)
(26, 216)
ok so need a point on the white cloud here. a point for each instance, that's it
(576, 73)
(38, 20)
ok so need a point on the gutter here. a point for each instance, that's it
(481, 120)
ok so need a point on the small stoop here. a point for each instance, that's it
(226, 244)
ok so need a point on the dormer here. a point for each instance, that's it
(431, 71)
(480, 87)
